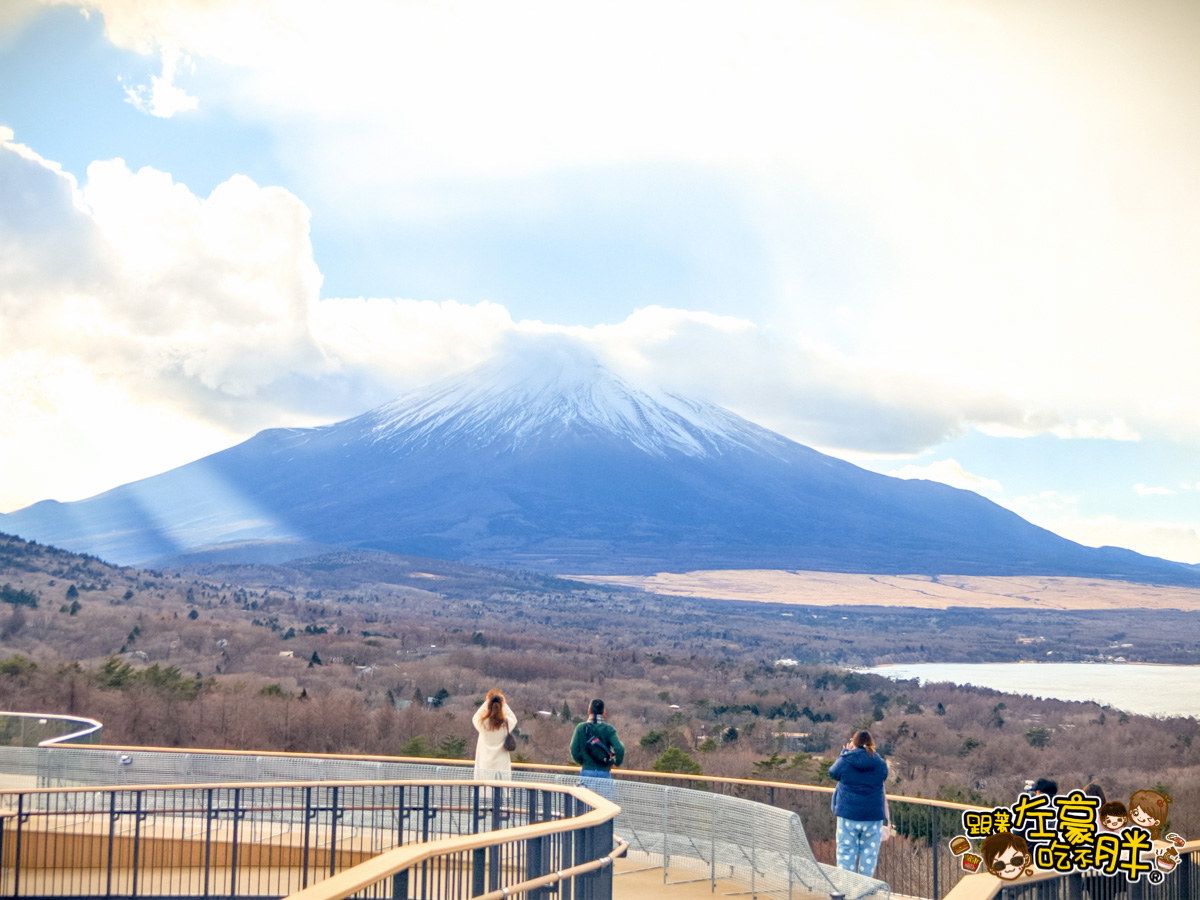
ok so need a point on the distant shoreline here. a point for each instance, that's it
(1155, 689)
(1028, 662)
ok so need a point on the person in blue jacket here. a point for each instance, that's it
(859, 804)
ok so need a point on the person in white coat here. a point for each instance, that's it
(494, 721)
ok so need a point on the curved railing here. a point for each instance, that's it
(718, 835)
(18, 729)
(677, 826)
(326, 839)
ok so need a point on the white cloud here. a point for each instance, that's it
(1035, 507)
(1019, 229)
(1149, 491)
(1059, 513)
(67, 432)
(135, 290)
(163, 98)
(213, 291)
(1168, 540)
(949, 471)
(140, 325)
(1114, 429)
(230, 30)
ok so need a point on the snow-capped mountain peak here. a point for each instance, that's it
(550, 388)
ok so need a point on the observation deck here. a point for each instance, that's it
(117, 822)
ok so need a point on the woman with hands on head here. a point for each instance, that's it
(494, 721)
(859, 804)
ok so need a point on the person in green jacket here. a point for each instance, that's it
(594, 772)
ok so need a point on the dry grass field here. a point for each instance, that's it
(913, 591)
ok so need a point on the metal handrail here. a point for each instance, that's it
(556, 877)
(391, 863)
(698, 782)
(675, 828)
(81, 827)
(90, 726)
(915, 862)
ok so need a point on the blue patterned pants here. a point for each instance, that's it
(858, 845)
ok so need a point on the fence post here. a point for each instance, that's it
(753, 857)
(137, 839)
(476, 803)
(478, 871)
(791, 849)
(495, 851)
(604, 876)
(400, 885)
(583, 853)
(112, 831)
(17, 857)
(335, 815)
(533, 846)
(712, 846)
(426, 815)
(935, 839)
(666, 855)
(401, 815)
(566, 847)
(309, 812)
(209, 815)
(233, 848)
(534, 863)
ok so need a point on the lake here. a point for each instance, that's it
(1151, 690)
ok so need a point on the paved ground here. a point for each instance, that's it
(630, 884)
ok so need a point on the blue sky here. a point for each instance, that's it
(951, 240)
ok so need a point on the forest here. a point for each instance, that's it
(365, 652)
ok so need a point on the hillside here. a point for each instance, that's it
(386, 654)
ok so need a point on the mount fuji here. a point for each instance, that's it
(548, 460)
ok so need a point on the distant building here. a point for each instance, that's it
(793, 741)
